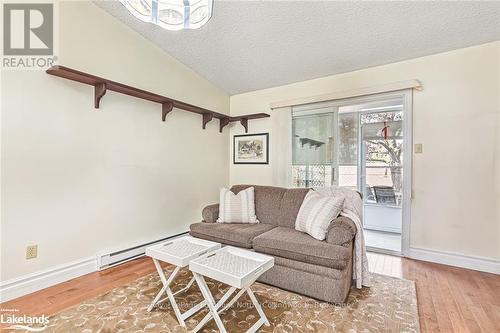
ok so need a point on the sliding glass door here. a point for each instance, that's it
(382, 177)
(359, 144)
(371, 161)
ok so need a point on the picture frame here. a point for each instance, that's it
(251, 148)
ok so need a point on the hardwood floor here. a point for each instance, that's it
(449, 299)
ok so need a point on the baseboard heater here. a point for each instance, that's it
(107, 260)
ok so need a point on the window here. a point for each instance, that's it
(312, 148)
(382, 135)
(348, 126)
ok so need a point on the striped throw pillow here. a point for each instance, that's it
(237, 208)
(316, 213)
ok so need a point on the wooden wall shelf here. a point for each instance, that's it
(101, 86)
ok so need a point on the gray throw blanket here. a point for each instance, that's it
(353, 209)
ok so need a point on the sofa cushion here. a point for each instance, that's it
(235, 234)
(290, 206)
(267, 202)
(292, 244)
(237, 208)
(316, 213)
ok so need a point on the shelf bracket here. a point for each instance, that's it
(222, 123)
(166, 108)
(206, 118)
(99, 92)
(244, 123)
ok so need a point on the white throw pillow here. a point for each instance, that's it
(237, 208)
(316, 213)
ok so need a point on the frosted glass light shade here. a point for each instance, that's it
(171, 14)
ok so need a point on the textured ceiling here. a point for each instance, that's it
(251, 45)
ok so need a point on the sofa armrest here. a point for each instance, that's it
(341, 231)
(210, 213)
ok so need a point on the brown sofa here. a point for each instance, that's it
(319, 269)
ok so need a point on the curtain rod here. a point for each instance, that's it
(389, 87)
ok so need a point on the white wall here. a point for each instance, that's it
(76, 180)
(456, 202)
(497, 155)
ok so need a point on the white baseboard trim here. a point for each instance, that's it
(29, 283)
(483, 264)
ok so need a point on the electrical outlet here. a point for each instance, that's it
(418, 148)
(31, 251)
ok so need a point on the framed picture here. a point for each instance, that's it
(251, 149)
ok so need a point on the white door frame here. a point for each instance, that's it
(407, 170)
(407, 96)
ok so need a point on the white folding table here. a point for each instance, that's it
(178, 252)
(239, 269)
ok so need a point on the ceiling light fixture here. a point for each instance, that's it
(171, 14)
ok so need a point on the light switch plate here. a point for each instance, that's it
(418, 148)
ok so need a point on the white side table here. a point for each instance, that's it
(178, 252)
(236, 267)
